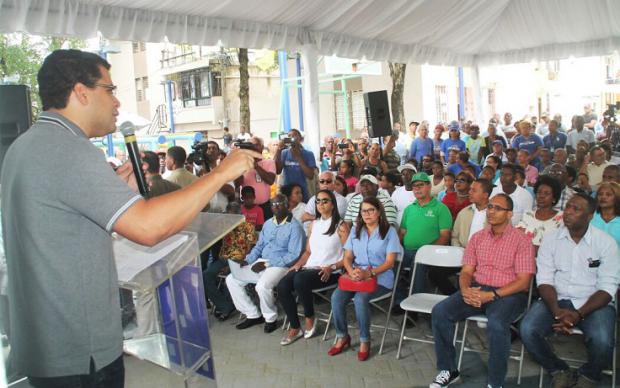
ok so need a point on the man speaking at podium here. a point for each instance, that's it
(60, 203)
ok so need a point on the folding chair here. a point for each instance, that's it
(375, 303)
(515, 355)
(438, 256)
(610, 372)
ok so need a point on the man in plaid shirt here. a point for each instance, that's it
(498, 266)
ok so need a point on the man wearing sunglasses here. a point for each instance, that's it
(498, 265)
(57, 226)
(327, 181)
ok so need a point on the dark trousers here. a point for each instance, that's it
(110, 376)
(302, 283)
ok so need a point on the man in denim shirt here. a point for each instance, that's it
(578, 275)
(280, 243)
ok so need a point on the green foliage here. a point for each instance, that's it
(21, 56)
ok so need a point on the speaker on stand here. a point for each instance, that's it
(15, 115)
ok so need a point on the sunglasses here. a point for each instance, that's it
(323, 201)
(325, 181)
(277, 203)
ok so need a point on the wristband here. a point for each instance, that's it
(495, 294)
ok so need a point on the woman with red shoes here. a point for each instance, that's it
(370, 252)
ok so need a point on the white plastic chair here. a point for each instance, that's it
(438, 256)
(481, 318)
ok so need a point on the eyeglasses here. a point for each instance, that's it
(323, 201)
(277, 203)
(325, 181)
(497, 208)
(109, 87)
(369, 211)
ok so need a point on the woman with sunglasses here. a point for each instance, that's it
(370, 252)
(459, 198)
(314, 269)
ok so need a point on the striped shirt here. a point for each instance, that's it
(354, 207)
(498, 259)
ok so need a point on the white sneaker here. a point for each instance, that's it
(445, 378)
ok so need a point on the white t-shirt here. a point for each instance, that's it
(402, 198)
(477, 222)
(324, 249)
(522, 201)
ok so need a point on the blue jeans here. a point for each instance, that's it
(220, 299)
(340, 299)
(500, 314)
(110, 376)
(598, 330)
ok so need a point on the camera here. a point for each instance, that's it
(245, 145)
(288, 141)
(199, 152)
(343, 146)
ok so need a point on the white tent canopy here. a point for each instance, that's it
(450, 32)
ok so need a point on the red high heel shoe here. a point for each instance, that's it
(338, 349)
(363, 356)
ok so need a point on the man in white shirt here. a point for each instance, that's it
(403, 195)
(474, 217)
(578, 276)
(523, 200)
(594, 169)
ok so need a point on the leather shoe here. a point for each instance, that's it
(287, 340)
(363, 356)
(308, 334)
(338, 349)
(223, 316)
(249, 322)
(270, 326)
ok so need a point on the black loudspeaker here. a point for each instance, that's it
(378, 114)
(15, 115)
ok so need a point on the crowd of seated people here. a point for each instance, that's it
(528, 202)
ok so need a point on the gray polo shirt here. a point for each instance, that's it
(60, 200)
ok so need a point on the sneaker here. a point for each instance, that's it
(584, 382)
(563, 379)
(445, 378)
(249, 322)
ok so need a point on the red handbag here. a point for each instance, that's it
(345, 283)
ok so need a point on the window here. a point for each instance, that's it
(491, 100)
(441, 103)
(135, 47)
(358, 109)
(196, 88)
(139, 89)
(142, 46)
(612, 70)
(469, 103)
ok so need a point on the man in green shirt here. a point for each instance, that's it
(426, 221)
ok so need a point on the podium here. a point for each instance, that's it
(170, 274)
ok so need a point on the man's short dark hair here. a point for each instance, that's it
(510, 204)
(486, 185)
(592, 203)
(571, 172)
(152, 162)
(463, 156)
(177, 154)
(61, 70)
(393, 177)
(510, 166)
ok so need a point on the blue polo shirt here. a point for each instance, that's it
(456, 168)
(612, 227)
(553, 142)
(530, 144)
(372, 250)
(450, 144)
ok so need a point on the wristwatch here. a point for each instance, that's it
(495, 295)
(372, 273)
(333, 267)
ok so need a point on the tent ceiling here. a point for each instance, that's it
(455, 32)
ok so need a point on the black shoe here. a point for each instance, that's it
(249, 322)
(271, 326)
(223, 316)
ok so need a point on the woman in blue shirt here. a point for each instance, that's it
(607, 216)
(370, 251)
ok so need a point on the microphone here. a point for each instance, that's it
(127, 128)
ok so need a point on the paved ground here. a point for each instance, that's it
(251, 358)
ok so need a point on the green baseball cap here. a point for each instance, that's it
(421, 177)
